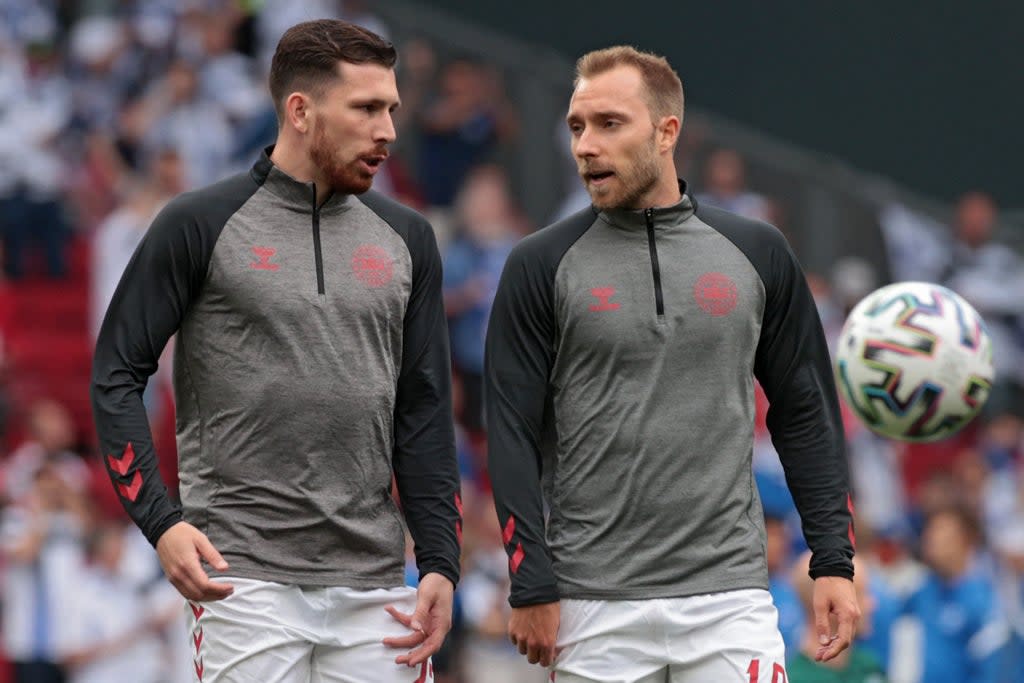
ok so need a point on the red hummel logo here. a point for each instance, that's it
(603, 294)
(120, 467)
(264, 254)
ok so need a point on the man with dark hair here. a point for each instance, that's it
(621, 356)
(311, 365)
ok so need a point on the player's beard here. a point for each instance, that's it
(634, 180)
(342, 177)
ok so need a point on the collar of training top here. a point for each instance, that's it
(661, 217)
(293, 193)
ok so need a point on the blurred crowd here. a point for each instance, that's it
(108, 108)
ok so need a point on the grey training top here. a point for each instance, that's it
(621, 356)
(311, 364)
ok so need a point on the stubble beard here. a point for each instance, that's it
(341, 177)
(635, 180)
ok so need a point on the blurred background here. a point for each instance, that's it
(881, 138)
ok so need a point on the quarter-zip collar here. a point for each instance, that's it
(294, 194)
(663, 218)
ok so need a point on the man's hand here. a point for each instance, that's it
(180, 549)
(431, 620)
(836, 615)
(533, 630)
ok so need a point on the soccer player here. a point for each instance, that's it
(311, 364)
(621, 357)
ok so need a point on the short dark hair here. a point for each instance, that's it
(307, 56)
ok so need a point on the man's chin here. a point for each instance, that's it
(352, 185)
(602, 200)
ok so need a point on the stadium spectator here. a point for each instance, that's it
(725, 186)
(990, 276)
(488, 229)
(459, 128)
(175, 115)
(42, 541)
(51, 438)
(34, 113)
(111, 634)
(955, 613)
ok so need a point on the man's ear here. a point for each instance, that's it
(297, 111)
(668, 133)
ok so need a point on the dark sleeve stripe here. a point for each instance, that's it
(424, 460)
(161, 281)
(794, 368)
(519, 355)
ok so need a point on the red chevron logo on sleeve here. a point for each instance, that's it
(517, 558)
(509, 530)
(121, 465)
(131, 491)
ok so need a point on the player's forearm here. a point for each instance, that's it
(515, 479)
(811, 447)
(433, 513)
(129, 457)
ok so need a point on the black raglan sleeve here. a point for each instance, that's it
(518, 359)
(424, 461)
(156, 289)
(794, 368)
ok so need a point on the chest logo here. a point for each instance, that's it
(264, 254)
(603, 294)
(373, 266)
(716, 294)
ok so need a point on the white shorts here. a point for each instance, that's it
(269, 633)
(719, 638)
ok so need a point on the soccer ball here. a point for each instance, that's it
(914, 361)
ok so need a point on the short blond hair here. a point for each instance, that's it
(664, 89)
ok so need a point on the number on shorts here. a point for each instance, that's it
(778, 672)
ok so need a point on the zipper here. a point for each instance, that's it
(659, 299)
(316, 247)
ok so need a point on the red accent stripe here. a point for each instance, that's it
(510, 528)
(131, 491)
(197, 639)
(458, 503)
(121, 465)
(458, 532)
(849, 506)
(517, 558)
(423, 674)
(197, 610)
(199, 669)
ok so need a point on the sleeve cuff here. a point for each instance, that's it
(154, 533)
(534, 596)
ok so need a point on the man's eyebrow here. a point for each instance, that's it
(377, 102)
(603, 114)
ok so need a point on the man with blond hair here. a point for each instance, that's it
(621, 358)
